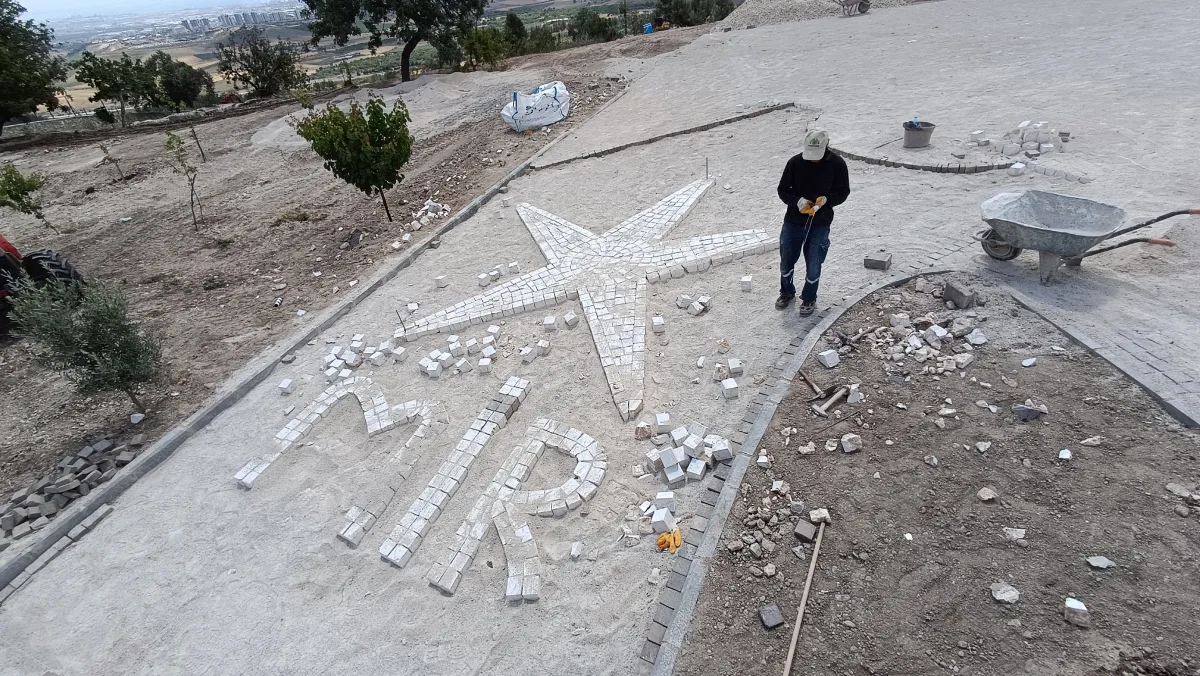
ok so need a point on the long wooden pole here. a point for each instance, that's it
(812, 568)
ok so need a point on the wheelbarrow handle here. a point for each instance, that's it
(1152, 221)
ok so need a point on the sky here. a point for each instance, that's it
(55, 9)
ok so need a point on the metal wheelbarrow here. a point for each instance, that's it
(1061, 228)
(849, 7)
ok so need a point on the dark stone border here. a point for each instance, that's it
(672, 615)
(946, 168)
(1180, 410)
(237, 387)
(671, 134)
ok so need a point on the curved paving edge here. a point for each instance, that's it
(946, 168)
(672, 616)
(655, 139)
(54, 538)
(1137, 371)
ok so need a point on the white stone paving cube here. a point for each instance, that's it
(528, 354)
(462, 365)
(678, 435)
(663, 521)
(662, 423)
(483, 278)
(571, 320)
(543, 348)
(683, 301)
(676, 477)
(493, 275)
(665, 500)
(550, 323)
(378, 359)
(399, 354)
(828, 358)
(729, 388)
(494, 331)
(693, 445)
(489, 352)
(457, 350)
(441, 282)
(695, 469)
(514, 268)
(735, 367)
(286, 387)
(485, 365)
(695, 309)
(472, 346)
(748, 283)
(434, 370)
(658, 324)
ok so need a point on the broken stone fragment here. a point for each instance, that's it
(1005, 593)
(987, 494)
(1076, 613)
(1100, 562)
(851, 443)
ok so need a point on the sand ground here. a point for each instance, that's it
(191, 573)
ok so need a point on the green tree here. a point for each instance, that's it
(588, 26)
(365, 148)
(177, 156)
(541, 39)
(251, 59)
(623, 10)
(483, 46)
(19, 192)
(179, 83)
(28, 67)
(85, 332)
(408, 21)
(126, 81)
(515, 34)
(446, 46)
(693, 12)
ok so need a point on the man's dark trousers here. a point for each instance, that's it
(813, 243)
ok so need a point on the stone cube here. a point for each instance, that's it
(828, 358)
(483, 278)
(805, 530)
(878, 261)
(528, 354)
(735, 367)
(721, 451)
(462, 365)
(571, 320)
(493, 331)
(693, 446)
(748, 283)
(663, 521)
(286, 387)
(472, 346)
(662, 423)
(961, 295)
(378, 359)
(399, 354)
(485, 365)
(514, 268)
(676, 478)
(729, 388)
(441, 282)
(678, 435)
(457, 350)
(695, 309)
(543, 348)
(493, 274)
(665, 500)
(488, 352)
(658, 324)
(683, 301)
(695, 469)
(770, 615)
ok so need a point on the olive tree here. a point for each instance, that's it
(19, 192)
(29, 70)
(364, 146)
(85, 332)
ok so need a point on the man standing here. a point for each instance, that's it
(813, 183)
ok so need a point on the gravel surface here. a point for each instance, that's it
(767, 12)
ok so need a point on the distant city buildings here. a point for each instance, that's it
(241, 19)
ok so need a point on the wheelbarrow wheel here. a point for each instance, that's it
(997, 248)
(864, 6)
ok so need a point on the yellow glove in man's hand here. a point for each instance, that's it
(810, 207)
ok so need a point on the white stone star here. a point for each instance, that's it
(608, 274)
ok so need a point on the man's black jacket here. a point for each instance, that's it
(810, 180)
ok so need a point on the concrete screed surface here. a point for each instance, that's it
(191, 574)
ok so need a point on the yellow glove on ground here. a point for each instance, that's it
(672, 540)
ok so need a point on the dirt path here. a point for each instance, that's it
(903, 580)
(273, 220)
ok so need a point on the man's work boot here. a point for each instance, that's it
(806, 309)
(783, 301)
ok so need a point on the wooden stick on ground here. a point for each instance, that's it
(812, 567)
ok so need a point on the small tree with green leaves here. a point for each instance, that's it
(365, 147)
(19, 192)
(110, 159)
(515, 34)
(177, 156)
(253, 60)
(85, 332)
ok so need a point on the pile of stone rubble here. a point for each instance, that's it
(35, 506)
